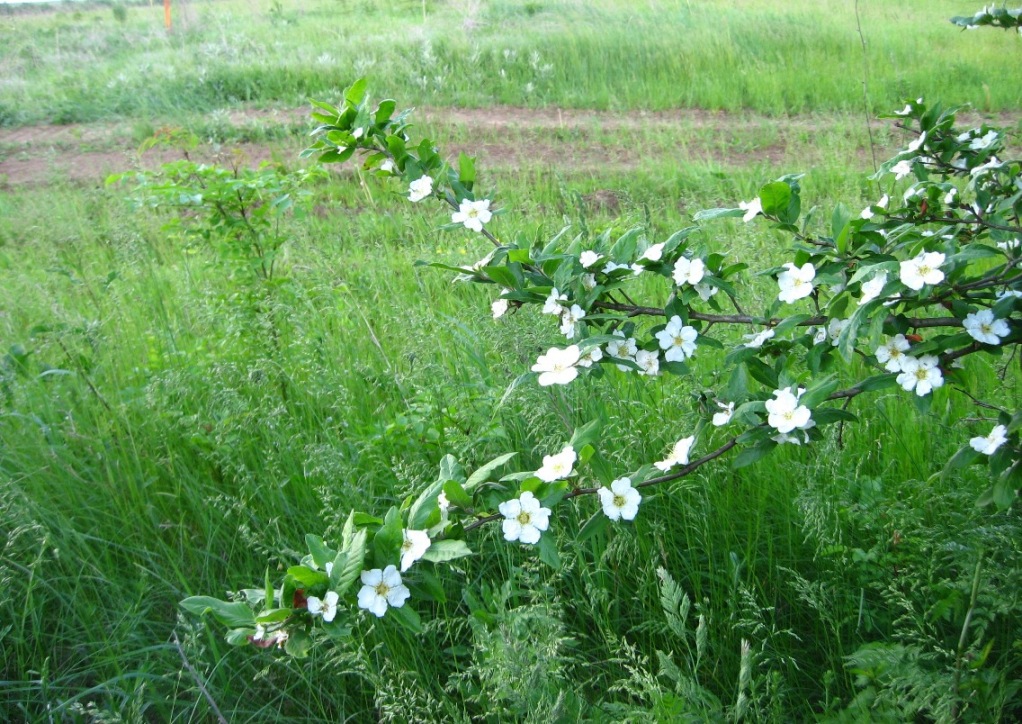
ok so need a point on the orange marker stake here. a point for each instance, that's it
(166, 14)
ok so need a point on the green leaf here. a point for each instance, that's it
(762, 373)
(356, 93)
(446, 550)
(710, 214)
(321, 554)
(233, 615)
(878, 382)
(346, 571)
(482, 474)
(840, 227)
(623, 251)
(829, 415)
(548, 552)
(388, 540)
(298, 644)
(502, 275)
(752, 454)
(456, 494)
(775, 198)
(424, 505)
(450, 469)
(738, 385)
(963, 458)
(466, 170)
(595, 525)
(587, 434)
(819, 392)
(239, 636)
(407, 617)
(306, 577)
(275, 615)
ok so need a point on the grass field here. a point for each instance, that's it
(169, 427)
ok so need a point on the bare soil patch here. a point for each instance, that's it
(88, 153)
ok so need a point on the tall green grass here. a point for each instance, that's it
(778, 58)
(150, 453)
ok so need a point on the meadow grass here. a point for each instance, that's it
(170, 427)
(77, 65)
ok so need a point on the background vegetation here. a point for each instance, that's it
(171, 422)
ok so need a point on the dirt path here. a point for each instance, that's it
(503, 137)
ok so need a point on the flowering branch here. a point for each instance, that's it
(863, 289)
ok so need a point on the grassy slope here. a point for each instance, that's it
(776, 58)
(170, 463)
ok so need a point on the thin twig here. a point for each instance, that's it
(198, 680)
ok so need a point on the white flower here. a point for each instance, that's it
(988, 445)
(570, 319)
(981, 144)
(524, 519)
(420, 189)
(884, 200)
(724, 416)
(380, 589)
(751, 209)
(867, 213)
(553, 302)
(622, 349)
(559, 466)
(557, 366)
(328, 568)
(871, 289)
(983, 327)
(612, 266)
(983, 168)
(892, 353)
(819, 334)
(473, 214)
(901, 170)
(1009, 293)
(637, 269)
(678, 455)
(621, 501)
(904, 111)
(834, 329)
(923, 269)
(705, 291)
(415, 545)
(921, 374)
(950, 196)
(796, 283)
(678, 339)
(756, 339)
(1010, 244)
(499, 308)
(653, 253)
(589, 282)
(689, 271)
(443, 503)
(785, 414)
(327, 606)
(590, 356)
(649, 362)
(387, 166)
(916, 144)
(358, 133)
(588, 258)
